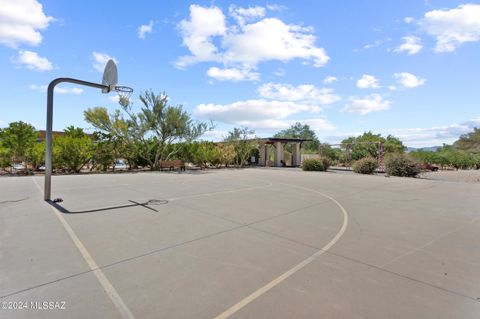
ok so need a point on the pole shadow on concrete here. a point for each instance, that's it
(133, 204)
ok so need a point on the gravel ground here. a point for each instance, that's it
(472, 176)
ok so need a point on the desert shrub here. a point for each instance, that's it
(327, 162)
(401, 165)
(366, 165)
(313, 164)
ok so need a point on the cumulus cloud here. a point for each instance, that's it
(144, 29)
(232, 74)
(21, 22)
(409, 20)
(214, 135)
(368, 82)
(329, 80)
(58, 89)
(317, 124)
(434, 136)
(33, 61)
(197, 33)
(272, 39)
(409, 80)
(274, 109)
(306, 92)
(100, 59)
(367, 104)
(243, 15)
(246, 43)
(411, 45)
(453, 27)
(259, 109)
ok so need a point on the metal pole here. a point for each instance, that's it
(48, 134)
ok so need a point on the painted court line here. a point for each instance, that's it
(102, 279)
(242, 303)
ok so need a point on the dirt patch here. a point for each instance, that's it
(469, 176)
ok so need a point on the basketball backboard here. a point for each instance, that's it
(110, 76)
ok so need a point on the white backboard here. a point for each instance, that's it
(110, 76)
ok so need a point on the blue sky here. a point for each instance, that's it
(408, 68)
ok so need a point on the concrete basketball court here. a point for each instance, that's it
(252, 243)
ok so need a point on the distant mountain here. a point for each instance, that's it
(426, 149)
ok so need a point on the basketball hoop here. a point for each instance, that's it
(124, 94)
(109, 84)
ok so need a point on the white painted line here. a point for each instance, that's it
(102, 279)
(242, 303)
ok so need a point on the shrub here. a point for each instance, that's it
(313, 164)
(366, 165)
(401, 165)
(326, 162)
(72, 153)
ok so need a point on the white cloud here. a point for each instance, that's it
(58, 89)
(232, 74)
(243, 15)
(434, 136)
(276, 7)
(100, 59)
(305, 93)
(367, 104)
(197, 33)
(409, 80)
(244, 111)
(272, 39)
(408, 20)
(392, 87)
(411, 45)
(372, 45)
(452, 27)
(214, 135)
(144, 29)
(318, 124)
(115, 98)
(273, 111)
(33, 61)
(330, 79)
(21, 21)
(368, 82)
(245, 44)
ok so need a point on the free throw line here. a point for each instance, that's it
(245, 301)
(102, 279)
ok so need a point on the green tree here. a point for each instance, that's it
(36, 154)
(204, 153)
(158, 125)
(328, 151)
(392, 144)
(73, 131)
(366, 145)
(303, 131)
(244, 145)
(17, 140)
(227, 153)
(72, 150)
(4, 158)
(104, 152)
(112, 138)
